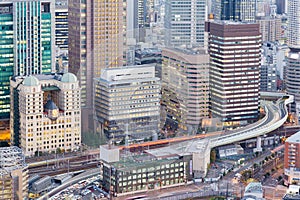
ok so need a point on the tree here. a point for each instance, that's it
(213, 156)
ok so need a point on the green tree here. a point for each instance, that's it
(213, 156)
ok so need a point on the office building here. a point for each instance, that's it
(293, 28)
(234, 10)
(292, 159)
(281, 6)
(185, 87)
(45, 113)
(270, 28)
(95, 42)
(127, 102)
(235, 56)
(268, 71)
(61, 25)
(13, 174)
(149, 56)
(27, 45)
(185, 22)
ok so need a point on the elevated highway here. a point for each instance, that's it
(276, 115)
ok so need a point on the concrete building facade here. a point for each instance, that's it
(61, 24)
(185, 87)
(268, 71)
(292, 159)
(45, 113)
(185, 22)
(235, 59)
(127, 102)
(270, 28)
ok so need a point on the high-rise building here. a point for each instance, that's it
(235, 10)
(235, 55)
(292, 70)
(268, 71)
(270, 28)
(292, 159)
(127, 101)
(185, 87)
(61, 24)
(45, 113)
(27, 45)
(95, 42)
(13, 174)
(293, 30)
(185, 22)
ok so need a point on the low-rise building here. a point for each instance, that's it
(13, 173)
(292, 159)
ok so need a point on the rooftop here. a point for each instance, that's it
(294, 138)
(11, 158)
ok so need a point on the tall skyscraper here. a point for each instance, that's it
(185, 22)
(27, 44)
(95, 42)
(234, 50)
(292, 70)
(293, 30)
(235, 10)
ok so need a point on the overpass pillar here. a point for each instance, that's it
(258, 145)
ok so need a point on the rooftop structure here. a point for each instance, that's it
(13, 173)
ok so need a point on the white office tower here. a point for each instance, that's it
(185, 22)
(127, 102)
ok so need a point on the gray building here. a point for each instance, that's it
(61, 24)
(185, 22)
(127, 101)
(268, 72)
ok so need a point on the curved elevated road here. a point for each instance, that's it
(276, 115)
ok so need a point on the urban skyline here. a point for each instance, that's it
(116, 97)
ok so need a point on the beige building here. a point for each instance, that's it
(13, 174)
(270, 28)
(185, 87)
(96, 40)
(45, 113)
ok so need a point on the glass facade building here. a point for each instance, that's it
(26, 43)
(235, 10)
(185, 22)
